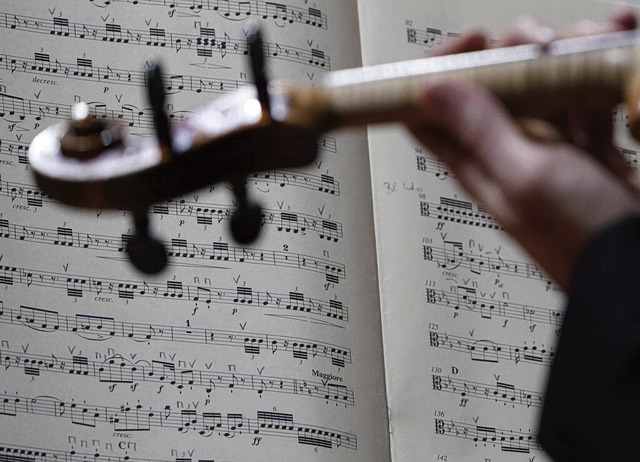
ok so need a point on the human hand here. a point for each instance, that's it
(554, 182)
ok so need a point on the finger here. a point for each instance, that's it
(471, 41)
(481, 126)
(468, 173)
(587, 128)
(570, 107)
(625, 19)
(588, 27)
(593, 132)
(615, 162)
(621, 20)
(525, 30)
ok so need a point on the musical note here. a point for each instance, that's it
(75, 287)
(157, 37)
(84, 67)
(60, 26)
(432, 165)
(14, 106)
(316, 18)
(244, 295)
(64, 236)
(113, 33)
(96, 326)
(7, 275)
(36, 318)
(4, 228)
(330, 230)
(289, 222)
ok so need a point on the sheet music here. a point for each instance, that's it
(469, 323)
(260, 352)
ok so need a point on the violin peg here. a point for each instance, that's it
(145, 252)
(258, 68)
(246, 220)
(156, 95)
(87, 137)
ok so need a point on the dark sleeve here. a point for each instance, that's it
(592, 407)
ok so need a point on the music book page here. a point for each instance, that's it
(469, 322)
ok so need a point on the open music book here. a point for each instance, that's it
(380, 316)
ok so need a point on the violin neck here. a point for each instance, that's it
(517, 75)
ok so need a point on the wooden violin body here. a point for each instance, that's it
(85, 162)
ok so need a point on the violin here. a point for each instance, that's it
(86, 162)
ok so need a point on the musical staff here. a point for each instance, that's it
(507, 440)
(458, 211)
(452, 256)
(16, 453)
(179, 249)
(322, 183)
(287, 222)
(100, 328)
(117, 369)
(429, 36)
(203, 45)
(466, 298)
(499, 392)
(328, 144)
(75, 286)
(621, 115)
(434, 166)
(130, 417)
(203, 213)
(15, 149)
(23, 192)
(44, 64)
(237, 9)
(485, 350)
(440, 170)
(16, 109)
